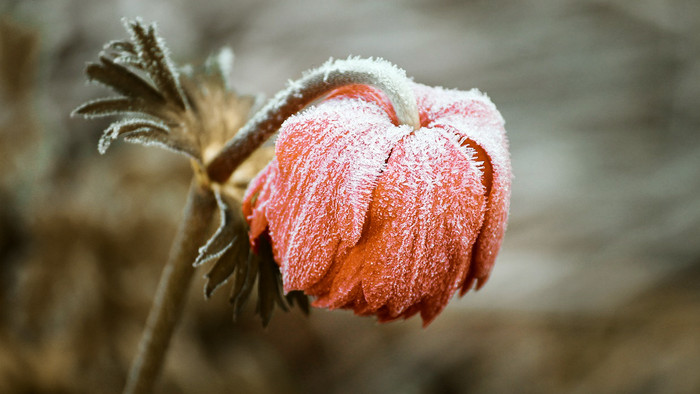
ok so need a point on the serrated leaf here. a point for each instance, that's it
(122, 80)
(152, 50)
(199, 111)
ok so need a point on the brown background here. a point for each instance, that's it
(597, 288)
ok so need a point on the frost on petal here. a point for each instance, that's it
(423, 220)
(369, 94)
(474, 118)
(256, 199)
(375, 217)
(330, 157)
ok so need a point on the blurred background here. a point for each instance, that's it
(596, 289)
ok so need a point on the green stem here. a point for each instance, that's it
(172, 290)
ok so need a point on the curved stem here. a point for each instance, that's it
(334, 74)
(172, 290)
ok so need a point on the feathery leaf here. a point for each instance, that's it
(122, 80)
(128, 126)
(152, 50)
(111, 106)
(107, 107)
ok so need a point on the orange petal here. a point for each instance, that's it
(256, 198)
(329, 159)
(473, 117)
(424, 218)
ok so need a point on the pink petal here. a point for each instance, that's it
(256, 199)
(423, 220)
(472, 116)
(329, 159)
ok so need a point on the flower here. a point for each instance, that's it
(381, 218)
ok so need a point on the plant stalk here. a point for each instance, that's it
(172, 290)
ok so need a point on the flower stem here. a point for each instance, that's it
(172, 290)
(334, 74)
(176, 277)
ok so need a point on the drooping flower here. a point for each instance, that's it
(381, 218)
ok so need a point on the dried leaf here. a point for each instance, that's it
(151, 48)
(114, 106)
(200, 111)
(122, 80)
(129, 126)
(148, 136)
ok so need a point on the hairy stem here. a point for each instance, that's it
(172, 290)
(311, 86)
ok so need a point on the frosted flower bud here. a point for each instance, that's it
(366, 214)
